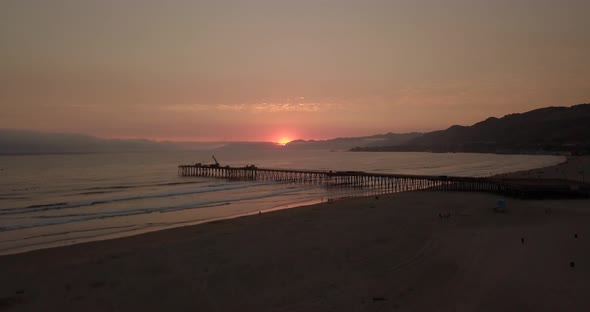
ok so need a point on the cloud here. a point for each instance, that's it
(186, 108)
(287, 105)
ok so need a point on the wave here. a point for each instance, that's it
(94, 216)
(64, 219)
(48, 205)
(81, 235)
(13, 197)
(67, 205)
(118, 188)
(96, 189)
(131, 186)
(92, 193)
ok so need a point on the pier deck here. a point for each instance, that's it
(392, 183)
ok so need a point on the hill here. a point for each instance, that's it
(545, 130)
(14, 142)
(388, 139)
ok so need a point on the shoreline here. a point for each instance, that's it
(390, 253)
(133, 232)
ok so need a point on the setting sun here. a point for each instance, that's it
(283, 140)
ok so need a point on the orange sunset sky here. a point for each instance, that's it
(271, 69)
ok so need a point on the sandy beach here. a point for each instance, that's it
(386, 253)
(574, 169)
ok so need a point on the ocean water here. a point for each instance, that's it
(52, 200)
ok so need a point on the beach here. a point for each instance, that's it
(413, 251)
(573, 169)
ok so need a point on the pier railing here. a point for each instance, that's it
(392, 183)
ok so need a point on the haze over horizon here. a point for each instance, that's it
(265, 70)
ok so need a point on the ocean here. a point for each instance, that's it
(53, 200)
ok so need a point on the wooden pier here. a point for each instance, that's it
(393, 183)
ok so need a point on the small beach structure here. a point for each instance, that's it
(500, 205)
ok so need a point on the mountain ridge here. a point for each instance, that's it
(21, 142)
(346, 143)
(543, 130)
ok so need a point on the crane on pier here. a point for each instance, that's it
(216, 162)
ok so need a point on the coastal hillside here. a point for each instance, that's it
(388, 139)
(545, 130)
(15, 142)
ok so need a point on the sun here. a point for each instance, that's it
(284, 140)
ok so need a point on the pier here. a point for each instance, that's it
(393, 183)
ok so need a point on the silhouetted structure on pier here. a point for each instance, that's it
(393, 183)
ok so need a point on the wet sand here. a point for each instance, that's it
(392, 253)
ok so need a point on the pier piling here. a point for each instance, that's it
(393, 183)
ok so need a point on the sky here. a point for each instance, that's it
(269, 70)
